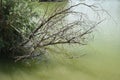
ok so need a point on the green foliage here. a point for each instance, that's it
(17, 21)
(21, 17)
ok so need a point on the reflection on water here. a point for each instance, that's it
(102, 61)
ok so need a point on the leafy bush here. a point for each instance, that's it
(15, 24)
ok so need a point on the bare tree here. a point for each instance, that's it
(55, 29)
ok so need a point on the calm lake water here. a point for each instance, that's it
(100, 62)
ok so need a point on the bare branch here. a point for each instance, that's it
(51, 17)
(56, 29)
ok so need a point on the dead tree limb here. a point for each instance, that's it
(55, 29)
